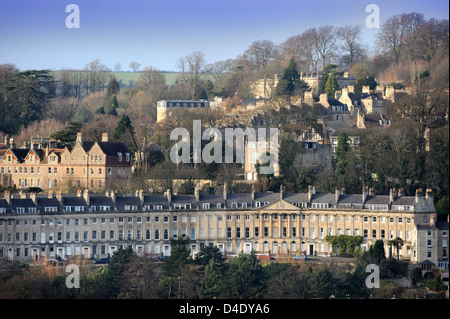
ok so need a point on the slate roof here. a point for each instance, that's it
(73, 201)
(42, 202)
(296, 197)
(112, 148)
(377, 199)
(323, 198)
(20, 153)
(100, 200)
(121, 201)
(211, 198)
(442, 225)
(353, 199)
(22, 202)
(238, 198)
(4, 204)
(404, 200)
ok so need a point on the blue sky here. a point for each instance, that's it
(33, 34)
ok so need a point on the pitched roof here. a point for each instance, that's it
(354, 199)
(73, 201)
(112, 148)
(100, 200)
(22, 202)
(42, 202)
(121, 201)
(324, 198)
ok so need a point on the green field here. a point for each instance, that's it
(127, 76)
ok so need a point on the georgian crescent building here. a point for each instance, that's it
(55, 224)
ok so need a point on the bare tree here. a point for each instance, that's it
(218, 69)
(150, 78)
(134, 66)
(302, 48)
(96, 76)
(117, 67)
(324, 40)
(397, 33)
(260, 53)
(191, 70)
(432, 38)
(351, 37)
(421, 107)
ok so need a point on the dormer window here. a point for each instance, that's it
(119, 157)
(127, 157)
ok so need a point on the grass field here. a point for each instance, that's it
(127, 76)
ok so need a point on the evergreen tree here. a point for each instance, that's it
(212, 283)
(113, 105)
(175, 265)
(124, 132)
(368, 81)
(331, 85)
(290, 83)
(26, 94)
(244, 278)
(68, 135)
(113, 87)
(322, 284)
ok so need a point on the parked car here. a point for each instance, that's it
(265, 257)
(299, 257)
(161, 258)
(102, 261)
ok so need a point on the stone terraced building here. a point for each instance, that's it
(281, 224)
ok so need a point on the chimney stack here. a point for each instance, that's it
(79, 138)
(78, 192)
(428, 194)
(86, 196)
(311, 191)
(8, 196)
(337, 195)
(169, 196)
(225, 191)
(141, 196)
(364, 194)
(33, 197)
(281, 191)
(7, 141)
(197, 194)
(418, 194)
(391, 195)
(59, 196)
(105, 137)
(113, 196)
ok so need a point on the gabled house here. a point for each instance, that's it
(88, 164)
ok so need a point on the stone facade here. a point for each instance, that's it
(163, 107)
(268, 223)
(93, 165)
